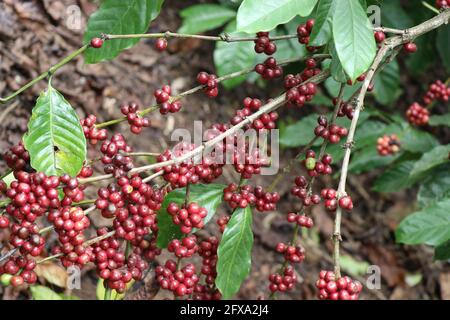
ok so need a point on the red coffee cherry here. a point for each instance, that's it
(263, 44)
(410, 47)
(161, 44)
(388, 145)
(417, 115)
(96, 43)
(331, 288)
(379, 36)
(346, 203)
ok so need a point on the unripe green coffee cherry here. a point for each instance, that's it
(5, 279)
(310, 163)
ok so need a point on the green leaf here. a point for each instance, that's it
(395, 178)
(321, 32)
(232, 57)
(44, 293)
(337, 72)
(417, 141)
(429, 226)
(431, 159)
(208, 196)
(299, 133)
(203, 17)
(440, 120)
(393, 15)
(55, 138)
(118, 17)
(256, 15)
(353, 37)
(435, 187)
(352, 266)
(333, 86)
(387, 84)
(368, 158)
(443, 45)
(235, 252)
(442, 252)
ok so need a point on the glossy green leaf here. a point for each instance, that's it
(235, 253)
(418, 141)
(393, 15)
(428, 226)
(443, 45)
(431, 159)
(321, 32)
(435, 187)
(368, 158)
(44, 293)
(232, 57)
(440, 120)
(396, 178)
(256, 15)
(55, 138)
(118, 17)
(337, 72)
(203, 17)
(387, 84)
(208, 196)
(353, 37)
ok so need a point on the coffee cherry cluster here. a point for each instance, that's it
(222, 223)
(73, 191)
(188, 217)
(25, 235)
(115, 162)
(346, 203)
(388, 145)
(317, 167)
(32, 195)
(300, 190)
(208, 252)
(333, 133)
(90, 130)
(303, 32)
(442, 4)
(136, 122)
(247, 195)
(248, 162)
(437, 91)
(184, 248)
(283, 282)
(180, 174)
(251, 105)
(269, 69)
(163, 97)
(17, 158)
(417, 115)
(161, 44)
(331, 288)
(298, 96)
(294, 254)
(69, 223)
(211, 83)
(379, 36)
(300, 219)
(181, 282)
(330, 197)
(345, 110)
(22, 270)
(263, 44)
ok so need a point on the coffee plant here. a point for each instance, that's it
(158, 213)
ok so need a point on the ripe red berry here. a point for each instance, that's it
(96, 43)
(161, 44)
(410, 47)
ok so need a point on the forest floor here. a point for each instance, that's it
(34, 36)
